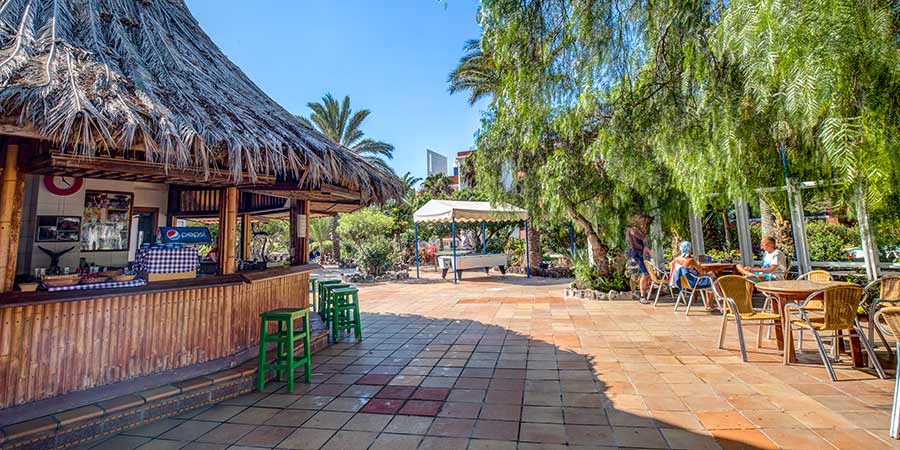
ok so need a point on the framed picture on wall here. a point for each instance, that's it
(58, 229)
(106, 222)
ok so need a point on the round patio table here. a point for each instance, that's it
(720, 268)
(787, 291)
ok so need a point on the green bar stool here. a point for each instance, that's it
(345, 312)
(325, 299)
(285, 337)
(313, 288)
(320, 295)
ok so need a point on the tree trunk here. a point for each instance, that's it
(335, 240)
(766, 218)
(599, 251)
(727, 225)
(535, 256)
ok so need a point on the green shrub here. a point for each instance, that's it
(374, 256)
(364, 224)
(828, 241)
(588, 277)
(515, 251)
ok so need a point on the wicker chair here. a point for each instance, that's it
(819, 276)
(838, 313)
(888, 295)
(736, 293)
(685, 288)
(658, 280)
(887, 320)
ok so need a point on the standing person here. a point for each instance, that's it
(638, 251)
(774, 264)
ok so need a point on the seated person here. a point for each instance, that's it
(774, 263)
(697, 276)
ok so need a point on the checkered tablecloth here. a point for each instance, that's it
(105, 285)
(167, 260)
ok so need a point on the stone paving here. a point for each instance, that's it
(506, 363)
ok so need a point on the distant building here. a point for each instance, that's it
(436, 163)
(458, 181)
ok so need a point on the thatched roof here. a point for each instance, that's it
(94, 75)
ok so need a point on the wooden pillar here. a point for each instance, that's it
(172, 206)
(228, 201)
(12, 188)
(246, 236)
(299, 229)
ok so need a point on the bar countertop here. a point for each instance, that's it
(11, 299)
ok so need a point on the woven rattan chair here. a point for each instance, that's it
(888, 295)
(658, 280)
(686, 292)
(838, 314)
(736, 293)
(820, 276)
(887, 320)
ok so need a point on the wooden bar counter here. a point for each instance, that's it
(54, 343)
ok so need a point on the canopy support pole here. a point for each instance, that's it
(416, 233)
(483, 237)
(453, 246)
(527, 255)
(571, 241)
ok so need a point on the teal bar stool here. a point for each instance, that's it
(345, 312)
(285, 337)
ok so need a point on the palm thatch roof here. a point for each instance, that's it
(95, 75)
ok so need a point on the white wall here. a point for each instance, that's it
(41, 202)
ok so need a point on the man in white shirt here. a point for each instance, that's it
(774, 264)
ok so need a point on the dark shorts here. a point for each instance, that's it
(642, 268)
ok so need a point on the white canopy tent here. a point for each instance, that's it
(452, 211)
(447, 211)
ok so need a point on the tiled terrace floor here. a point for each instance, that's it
(498, 363)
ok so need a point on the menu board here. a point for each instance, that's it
(106, 223)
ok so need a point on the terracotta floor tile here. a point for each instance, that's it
(854, 439)
(639, 437)
(421, 408)
(793, 438)
(350, 440)
(723, 420)
(310, 402)
(227, 433)
(396, 392)
(500, 412)
(382, 406)
(328, 419)
(346, 404)
(387, 441)
(450, 427)
(466, 395)
(543, 433)
(443, 443)
(358, 390)
(409, 425)
(742, 439)
(430, 393)
(460, 410)
(689, 439)
(265, 436)
(486, 444)
(368, 422)
(189, 430)
(375, 379)
(496, 430)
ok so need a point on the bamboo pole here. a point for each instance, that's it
(228, 230)
(9, 203)
(246, 236)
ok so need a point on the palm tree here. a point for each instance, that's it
(409, 182)
(475, 73)
(439, 185)
(340, 124)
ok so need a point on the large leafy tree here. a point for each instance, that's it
(475, 73)
(341, 124)
(438, 185)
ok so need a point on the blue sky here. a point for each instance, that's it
(391, 57)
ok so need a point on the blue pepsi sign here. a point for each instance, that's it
(185, 235)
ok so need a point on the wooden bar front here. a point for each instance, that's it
(57, 343)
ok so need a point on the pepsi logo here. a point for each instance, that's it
(172, 235)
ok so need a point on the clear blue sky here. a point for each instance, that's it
(391, 57)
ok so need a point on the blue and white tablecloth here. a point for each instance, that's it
(104, 285)
(167, 260)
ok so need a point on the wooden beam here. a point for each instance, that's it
(304, 247)
(246, 236)
(11, 192)
(228, 230)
